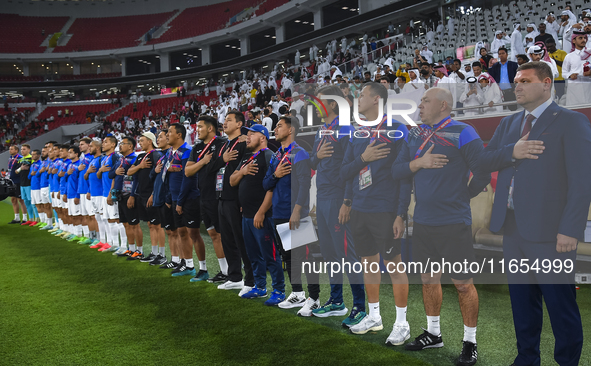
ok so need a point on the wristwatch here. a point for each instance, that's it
(403, 216)
(347, 202)
(274, 176)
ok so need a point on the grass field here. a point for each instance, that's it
(64, 304)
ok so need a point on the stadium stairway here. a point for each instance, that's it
(166, 26)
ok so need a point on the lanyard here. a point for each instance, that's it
(147, 154)
(107, 158)
(226, 144)
(11, 161)
(375, 132)
(284, 157)
(253, 157)
(443, 125)
(206, 148)
(162, 157)
(124, 160)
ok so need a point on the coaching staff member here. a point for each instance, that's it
(543, 156)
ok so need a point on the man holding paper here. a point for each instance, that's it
(291, 199)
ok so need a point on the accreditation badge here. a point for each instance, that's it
(365, 178)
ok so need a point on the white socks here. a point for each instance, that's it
(114, 228)
(86, 231)
(400, 315)
(189, 263)
(470, 334)
(162, 251)
(155, 249)
(102, 228)
(374, 310)
(132, 247)
(176, 259)
(24, 217)
(223, 265)
(433, 325)
(17, 217)
(123, 235)
(202, 266)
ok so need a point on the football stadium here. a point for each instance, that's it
(295, 182)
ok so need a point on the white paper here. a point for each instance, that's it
(588, 232)
(303, 235)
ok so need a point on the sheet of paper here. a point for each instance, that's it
(305, 234)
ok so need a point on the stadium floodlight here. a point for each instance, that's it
(345, 7)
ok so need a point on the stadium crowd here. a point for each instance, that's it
(212, 162)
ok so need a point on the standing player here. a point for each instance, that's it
(110, 207)
(142, 189)
(201, 156)
(73, 196)
(95, 194)
(291, 200)
(377, 208)
(122, 185)
(225, 163)
(63, 190)
(333, 207)
(257, 223)
(13, 165)
(46, 179)
(185, 199)
(35, 177)
(25, 165)
(89, 227)
(55, 189)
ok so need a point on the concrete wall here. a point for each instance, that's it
(60, 134)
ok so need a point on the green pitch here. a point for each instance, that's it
(64, 304)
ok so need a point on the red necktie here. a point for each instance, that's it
(527, 126)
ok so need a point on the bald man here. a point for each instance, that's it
(439, 155)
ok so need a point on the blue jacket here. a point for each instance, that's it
(64, 180)
(443, 195)
(289, 190)
(126, 162)
(181, 187)
(12, 167)
(329, 184)
(551, 193)
(495, 71)
(35, 179)
(384, 194)
(83, 183)
(110, 161)
(55, 180)
(161, 194)
(45, 175)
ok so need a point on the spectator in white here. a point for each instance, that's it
(428, 55)
(552, 26)
(333, 46)
(491, 93)
(568, 19)
(343, 44)
(414, 76)
(297, 58)
(364, 52)
(59, 112)
(443, 81)
(218, 88)
(206, 91)
(276, 103)
(130, 124)
(516, 42)
(538, 52)
(530, 37)
(150, 113)
(576, 69)
(286, 84)
(430, 37)
(440, 28)
(451, 26)
(335, 72)
(267, 120)
(46, 127)
(189, 136)
(468, 70)
(501, 39)
(141, 99)
(313, 52)
(117, 126)
(297, 103)
(472, 96)
(458, 79)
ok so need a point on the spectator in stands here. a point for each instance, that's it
(538, 52)
(575, 69)
(491, 94)
(501, 39)
(543, 36)
(427, 75)
(504, 72)
(516, 42)
(59, 113)
(568, 19)
(471, 96)
(485, 58)
(558, 56)
(522, 59)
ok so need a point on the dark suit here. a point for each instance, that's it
(551, 196)
(495, 71)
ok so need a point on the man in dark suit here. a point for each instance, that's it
(504, 74)
(543, 156)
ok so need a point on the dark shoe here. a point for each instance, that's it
(469, 354)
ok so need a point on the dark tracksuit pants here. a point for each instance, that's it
(233, 242)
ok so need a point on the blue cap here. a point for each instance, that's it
(256, 128)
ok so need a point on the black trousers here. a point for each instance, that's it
(293, 261)
(233, 242)
(509, 96)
